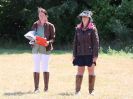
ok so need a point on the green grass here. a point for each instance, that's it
(113, 76)
(103, 52)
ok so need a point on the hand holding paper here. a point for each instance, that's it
(36, 39)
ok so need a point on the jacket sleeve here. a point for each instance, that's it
(75, 45)
(95, 42)
(34, 27)
(52, 33)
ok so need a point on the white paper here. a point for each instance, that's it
(30, 35)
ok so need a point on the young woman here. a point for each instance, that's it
(41, 54)
(85, 50)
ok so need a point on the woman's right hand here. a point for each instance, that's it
(73, 58)
(32, 46)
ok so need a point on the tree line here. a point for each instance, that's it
(113, 18)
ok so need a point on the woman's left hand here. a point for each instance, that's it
(94, 59)
(48, 43)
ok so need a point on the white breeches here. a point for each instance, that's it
(41, 61)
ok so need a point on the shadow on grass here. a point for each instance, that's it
(19, 93)
(66, 94)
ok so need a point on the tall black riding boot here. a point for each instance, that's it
(46, 80)
(36, 82)
(78, 83)
(91, 84)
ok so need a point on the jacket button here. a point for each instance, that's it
(89, 46)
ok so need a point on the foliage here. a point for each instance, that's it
(114, 22)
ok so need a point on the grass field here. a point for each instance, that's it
(114, 78)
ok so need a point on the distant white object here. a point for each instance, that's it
(30, 35)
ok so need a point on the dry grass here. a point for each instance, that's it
(114, 78)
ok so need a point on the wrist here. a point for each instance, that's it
(94, 63)
(48, 42)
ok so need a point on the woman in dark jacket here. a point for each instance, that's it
(41, 54)
(85, 50)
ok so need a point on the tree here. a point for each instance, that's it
(113, 18)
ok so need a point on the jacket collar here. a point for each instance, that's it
(89, 26)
